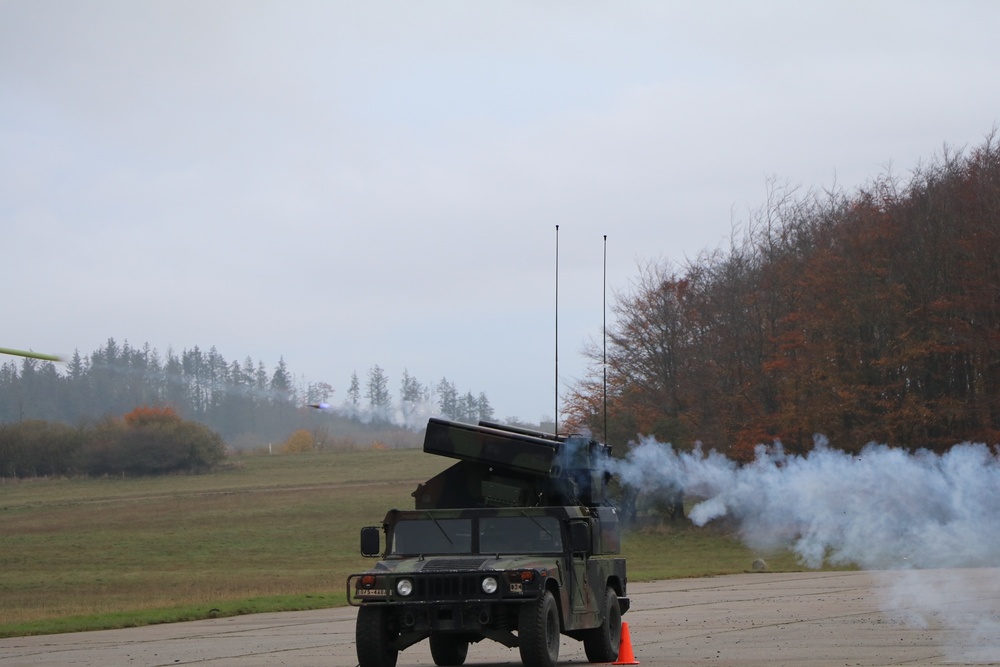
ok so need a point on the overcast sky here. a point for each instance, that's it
(354, 183)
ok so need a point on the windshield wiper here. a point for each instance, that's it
(441, 528)
(538, 523)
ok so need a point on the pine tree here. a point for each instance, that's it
(377, 392)
(485, 409)
(410, 390)
(354, 392)
(447, 398)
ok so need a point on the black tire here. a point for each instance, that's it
(538, 632)
(372, 636)
(449, 650)
(601, 644)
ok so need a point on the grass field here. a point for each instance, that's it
(268, 533)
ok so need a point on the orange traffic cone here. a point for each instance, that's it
(625, 656)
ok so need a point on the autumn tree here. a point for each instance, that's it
(149, 441)
(299, 441)
(866, 316)
(144, 416)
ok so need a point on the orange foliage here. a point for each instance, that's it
(871, 316)
(145, 415)
(298, 442)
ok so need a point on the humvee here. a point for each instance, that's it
(514, 543)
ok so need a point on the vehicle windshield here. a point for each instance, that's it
(519, 534)
(433, 536)
(493, 534)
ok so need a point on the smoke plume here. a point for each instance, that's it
(921, 519)
(412, 415)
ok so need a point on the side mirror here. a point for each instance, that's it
(579, 536)
(371, 542)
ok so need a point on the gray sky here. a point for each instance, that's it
(349, 184)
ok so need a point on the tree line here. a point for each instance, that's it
(245, 402)
(864, 316)
(415, 398)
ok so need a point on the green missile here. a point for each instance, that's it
(31, 355)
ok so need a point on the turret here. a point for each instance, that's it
(503, 466)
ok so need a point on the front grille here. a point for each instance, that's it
(447, 587)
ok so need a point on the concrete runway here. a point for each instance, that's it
(808, 618)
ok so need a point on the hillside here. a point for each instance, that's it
(864, 316)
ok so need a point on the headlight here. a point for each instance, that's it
(404, 587)
(489, 585)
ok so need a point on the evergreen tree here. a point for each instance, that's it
(248, 372)
(468, 407)
(176, 389)
(354, 392)
(484, 408)
(77, 388)
(281, 380)
(447, 398)
(410, 390)
(193, 364)
(377, 391)
(260, 377)
(218, 378)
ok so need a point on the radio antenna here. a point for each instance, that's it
(555, 427)
(604, 330)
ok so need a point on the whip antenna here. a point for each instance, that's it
(555, 427)
(604, 330)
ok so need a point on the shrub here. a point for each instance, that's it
(150, 441)
(37, 448)
(146, 441)
(299, 441)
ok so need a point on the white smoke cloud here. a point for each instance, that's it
(920, 520)
(412, 415)
(962, 602)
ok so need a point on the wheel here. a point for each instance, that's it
(372, 636)
(538, 632)
(449, 650)
(601, 644)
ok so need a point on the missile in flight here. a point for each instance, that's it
(30, 355)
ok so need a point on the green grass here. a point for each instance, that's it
(268, 533)
(672, 552)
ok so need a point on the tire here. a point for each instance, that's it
(449, 650)
(538, 632)
(372, 635)
(601, 644)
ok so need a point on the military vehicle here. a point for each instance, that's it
(514, 543)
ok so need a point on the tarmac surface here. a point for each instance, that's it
(816, 619)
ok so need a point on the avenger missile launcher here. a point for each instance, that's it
(515, 542)
(502, 466)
